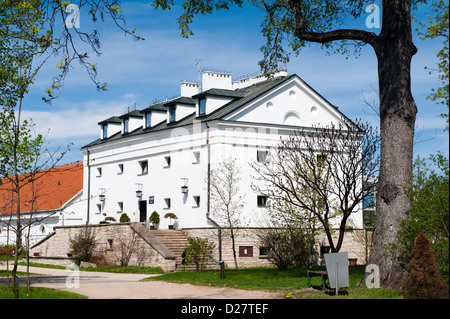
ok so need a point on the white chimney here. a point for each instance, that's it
(188, 89)
(216, 80)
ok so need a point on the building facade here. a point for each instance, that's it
(160, 158)
(50, 198)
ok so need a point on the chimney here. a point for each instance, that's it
(188, 89)
(216, 80)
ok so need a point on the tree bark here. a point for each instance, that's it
(394, 50)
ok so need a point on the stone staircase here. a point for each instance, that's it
(176, 241)
(170, 244)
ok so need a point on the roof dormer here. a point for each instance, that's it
(131, 121)
(109, 127)
(179, 108)
(154, 114)
(212, 99)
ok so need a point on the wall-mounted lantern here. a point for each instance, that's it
(102, 196)
(139, 191)
(184, 188)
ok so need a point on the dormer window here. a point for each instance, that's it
(202, 106)
(148, 119)
(104, 131)
(126, 123)
(172, 113)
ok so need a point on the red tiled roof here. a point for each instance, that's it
(52, 189)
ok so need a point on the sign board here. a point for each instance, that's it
(151, 199)
(337, 269)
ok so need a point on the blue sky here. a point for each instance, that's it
(138, 72)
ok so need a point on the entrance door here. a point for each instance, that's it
(142, 210)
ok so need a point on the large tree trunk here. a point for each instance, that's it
(398, 110)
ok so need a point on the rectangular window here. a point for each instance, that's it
(105, 131)
(172, 113)
(261, 156)
(262, 201)
(99, 172)
(120, 210)
(144, 167)
(167, 202)
(245, 251)
(120, 171)
(168, 161)
(196, 157)
(196, 201)
(99, 208)
(263, 251)
(148, 119)
(202, 106)
(126, 123)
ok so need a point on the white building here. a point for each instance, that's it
(159, 158)
(52, 197)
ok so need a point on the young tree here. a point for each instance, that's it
(301, 22)
(226, 201)
(199, 251)
(323, 172)
(27, 31)
(424, 281)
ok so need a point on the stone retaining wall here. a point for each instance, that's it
(110, 237)
(55, 247)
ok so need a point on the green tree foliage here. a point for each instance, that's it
(437, 26)
(199, 252)
(429, 213)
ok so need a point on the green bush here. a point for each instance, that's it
(429, 196)
(199, 251)
(124, 218)
(154, 218)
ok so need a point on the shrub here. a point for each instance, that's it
(288, 246)
(82, 245)
(154, 218)
(6, 250)
(424, 280)
(124, 218)
(198, 252)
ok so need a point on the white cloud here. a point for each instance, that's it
(77, 120)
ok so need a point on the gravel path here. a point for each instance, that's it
(103, 285)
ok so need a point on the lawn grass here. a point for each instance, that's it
(4, 273)
(126, 269)
(38, 293)
(114, 269)
(292, 282)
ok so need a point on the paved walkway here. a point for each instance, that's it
(103, 285)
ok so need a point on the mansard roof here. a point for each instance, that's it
(240, 97)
